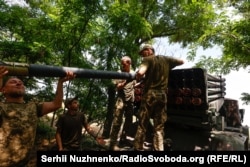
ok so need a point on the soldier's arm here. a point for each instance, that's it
(180, 62)
(3, 72)
(140, 73)
(59, 139)
(89, 130)
(92, 133)
(57, 102)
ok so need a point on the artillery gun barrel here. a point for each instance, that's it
(213, 85)
(23, 69)
(215, 92)
(215, 79)
(215, 98)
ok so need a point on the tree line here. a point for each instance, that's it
(96, 34)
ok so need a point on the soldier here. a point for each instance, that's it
(18, 119)
(232, 114)
(69, 127)
(155, 70)
(124, 105)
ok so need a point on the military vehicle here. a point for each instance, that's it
(199, 115)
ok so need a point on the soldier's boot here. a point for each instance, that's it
(115, 148)
(113, 145)
(125, 143)
(122, 140)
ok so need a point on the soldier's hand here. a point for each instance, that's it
(69, 76)
(100, 141)
(61, 149)
(3, 71)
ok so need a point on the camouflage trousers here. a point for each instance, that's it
(153, 105)
(125, 108)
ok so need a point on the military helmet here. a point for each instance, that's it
(146, 46)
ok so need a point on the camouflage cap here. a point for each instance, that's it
(146, 46)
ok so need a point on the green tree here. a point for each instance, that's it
(135, 22)
(96, 34)
(232, 35)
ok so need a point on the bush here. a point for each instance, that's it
(44, 130)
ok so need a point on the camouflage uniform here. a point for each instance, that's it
(17, 134)
(123, 105)
(154, 100)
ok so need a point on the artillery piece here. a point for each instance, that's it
(36, 70)
(199, 115)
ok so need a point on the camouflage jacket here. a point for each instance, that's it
(18, 123)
